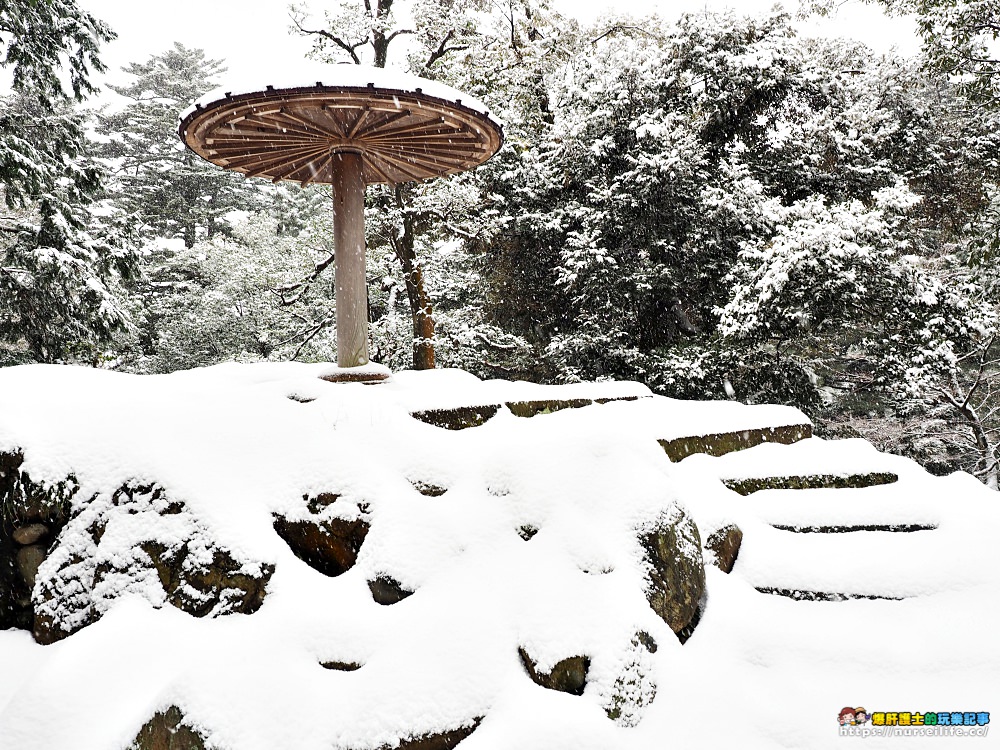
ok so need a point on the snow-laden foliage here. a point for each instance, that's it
(823, 266)
(165, 186)
(62, 258)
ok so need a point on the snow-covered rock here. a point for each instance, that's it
(404, 585)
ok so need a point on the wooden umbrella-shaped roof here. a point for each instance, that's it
(405, 128)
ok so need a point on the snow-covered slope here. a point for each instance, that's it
(519, 535)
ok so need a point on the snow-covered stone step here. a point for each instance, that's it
(807, 464)
(457, 400)
(721, 443)
(911, 503)
(850, 527)
(750, 485)
(854, 564)
(802, 595)
(716, 428)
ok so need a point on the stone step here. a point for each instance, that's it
(463, 417)
(721, 443)
(883, 507)
(750, 485)
(880, 564)
(801, 595)
(845, 529)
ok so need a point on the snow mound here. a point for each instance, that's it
(493, 584)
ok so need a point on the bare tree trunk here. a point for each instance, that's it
(420, 304)
(987, 464)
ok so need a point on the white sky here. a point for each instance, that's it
(253, 35)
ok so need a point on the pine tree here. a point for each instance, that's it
(62, 259)
(170, 190)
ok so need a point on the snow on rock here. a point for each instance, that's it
(381, 582)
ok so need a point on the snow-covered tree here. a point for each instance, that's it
(168, 188)
(62, 257)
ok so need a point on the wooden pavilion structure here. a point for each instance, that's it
(352, 127)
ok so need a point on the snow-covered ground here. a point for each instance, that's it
(240, 443)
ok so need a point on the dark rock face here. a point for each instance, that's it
(527, 531)
(463, 417)
(203, 588)
(459, 417)
(341, 666)
(676, 578)
(28, 560)
(31, 516)
(387, 590)
(719, 444)
(725, 544)
(324, 541)
(167, 731)
(567, 676)
(802, 595)
(30, 534)
(437, 741)
(531, 408)
(810, 481)
(427, 489)
(194, 573)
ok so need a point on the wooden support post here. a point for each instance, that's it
(350, 279)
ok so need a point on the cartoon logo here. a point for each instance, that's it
(860, 716)
(846, 716)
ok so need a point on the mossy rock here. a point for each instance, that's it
(725, 544)
(568, 675)
(676, 577)
(546, 406)
(458, 417)
(196, 574)
(201, 589)
(167, 731)
(445, 740)
(810, 482)
(721, 443)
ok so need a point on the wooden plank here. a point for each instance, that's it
(283, 170)
(352, 131)
(280, 169)
(388, 119)
(234, 152)
(434, 140)
(260, 138)
(285, 114)
(419, 148)
(370, 163)
(415, 159)
(406, 168)
(284, 128)
(313, 176)
(428, 126)
(256, 161)
(393, 166)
